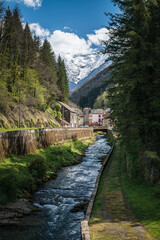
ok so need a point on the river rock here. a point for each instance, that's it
(10, 213)
(80, 206)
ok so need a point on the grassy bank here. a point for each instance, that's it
(111, 218)
(21, 175)
(15, 129)
(143, 201)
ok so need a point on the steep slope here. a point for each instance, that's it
(73, 87)
(80, 66)
(30, 118)
(86, 95)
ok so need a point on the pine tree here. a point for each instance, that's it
(6, 41)
(17, 36)
(131, 48)
(62, 81)
(28, 46)
(48, 71)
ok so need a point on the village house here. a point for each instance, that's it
(70, 116)
(106, 119)
(86, 112)
(96, 117)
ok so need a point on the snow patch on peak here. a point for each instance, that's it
(80, 66)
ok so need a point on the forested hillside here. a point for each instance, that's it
(30, 75)
(134, 49)
(86, 95)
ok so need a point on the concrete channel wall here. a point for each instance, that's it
(84, 224)
(27, 141)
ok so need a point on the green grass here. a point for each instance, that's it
(109, 187)
(143, 202)
(15, 129)
(16, 180)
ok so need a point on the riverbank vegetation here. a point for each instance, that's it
(31, 77)
(134, 95)
(121, 204)
(21, 175)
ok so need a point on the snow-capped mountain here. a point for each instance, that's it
(80, 66)
(73, 87)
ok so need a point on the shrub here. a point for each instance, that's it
(28, 184)
(37, 167)
(9, 184)
(157, 189)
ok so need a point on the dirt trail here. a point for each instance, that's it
(111, 218)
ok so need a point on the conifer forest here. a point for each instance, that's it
(134, 49)
(29, 70)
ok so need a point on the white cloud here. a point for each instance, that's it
(67, 28)
(33, 3)
(38, 30)
(69, 43)
(98, 36)
(29, 3)
(79, 54)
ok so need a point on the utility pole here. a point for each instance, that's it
(19, 108)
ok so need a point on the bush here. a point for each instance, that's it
(28, 184)
(37, 167)
(157, 189)
(9, 184)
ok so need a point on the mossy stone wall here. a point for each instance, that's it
(27, 141)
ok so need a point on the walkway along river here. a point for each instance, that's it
(56, 198)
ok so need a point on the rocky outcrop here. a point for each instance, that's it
(27, 141)
(10, 214)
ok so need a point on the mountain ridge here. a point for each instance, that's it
(85, 95)
(73, 87)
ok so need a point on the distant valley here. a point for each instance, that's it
(91, 88)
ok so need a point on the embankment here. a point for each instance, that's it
(20, 176)
(27, 141)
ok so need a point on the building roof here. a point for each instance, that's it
(64, 122)
(107, 110)
(97, 111)
(68, 107)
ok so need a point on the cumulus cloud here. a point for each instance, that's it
(79, 54)
(38, 30)
(67, 28)
(69, 43)
(29, 3)
(98, 36)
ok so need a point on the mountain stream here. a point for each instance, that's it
(74, 184)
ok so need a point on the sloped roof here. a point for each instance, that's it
(97, 111)
(107, 110)
(64, 121)
(68, 107)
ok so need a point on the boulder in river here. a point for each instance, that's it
(82, 206)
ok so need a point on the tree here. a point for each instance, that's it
(29, 50)
(17, 37)
(48, 71)
(62, 80)
(135, 74)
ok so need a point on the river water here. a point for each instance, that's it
(74, 184)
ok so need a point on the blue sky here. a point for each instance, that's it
(82, 16)
(74, 29)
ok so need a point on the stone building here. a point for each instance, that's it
(86, 112)
(106, 119)
(70, 116)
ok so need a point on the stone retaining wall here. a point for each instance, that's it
(84, 224)
(27, 141)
